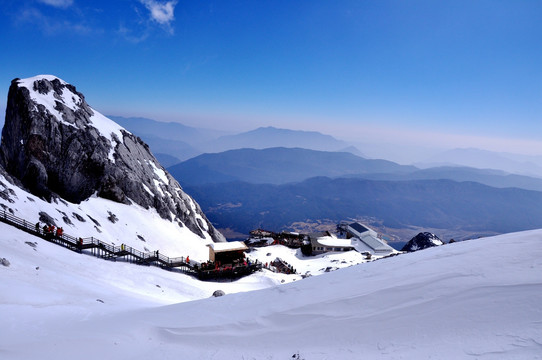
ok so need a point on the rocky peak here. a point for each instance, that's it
(422, 241)
(58, 146)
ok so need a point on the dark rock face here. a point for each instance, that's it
(219, 293)
(58, 146)
(46, 218)
(422, 241)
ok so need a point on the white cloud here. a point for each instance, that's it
(58, 3)
(161, 12)
(53, 26)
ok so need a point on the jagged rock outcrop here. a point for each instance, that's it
(421, 241)
(56, 145)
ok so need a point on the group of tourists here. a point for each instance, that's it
(218, 266)
(209, 265)
(50, 230)
(280, 266)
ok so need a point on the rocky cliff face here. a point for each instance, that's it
(56, 145)
(422, 241)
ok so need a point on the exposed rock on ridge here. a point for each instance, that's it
(57, 145)
(422, 241)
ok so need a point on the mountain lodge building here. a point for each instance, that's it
(227, 252)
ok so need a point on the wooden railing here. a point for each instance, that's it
(98, 248)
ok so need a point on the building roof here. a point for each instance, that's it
(359, 227)
(375, 244)
(369, 237)
(331, 241)
(228, 246)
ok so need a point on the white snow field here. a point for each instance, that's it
(479, 299)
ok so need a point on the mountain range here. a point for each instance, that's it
(245, 188)
(494, 178)
(440, 204)
(277, 166)
(284, 165)
(271, 137)
(483, 159)
(288, 189)
(183, 142)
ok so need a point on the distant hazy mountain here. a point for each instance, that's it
(277, 166)
(167, 160)
(283, 165)
(352, 150)
(185, 142)
(169, 138)
(269, 137)
(441, 204)
(177, 149)
(495, 178)
(483, 159)
(166, 130)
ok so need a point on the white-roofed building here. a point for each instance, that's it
(226, 252)
(330, 243)
(359, 238)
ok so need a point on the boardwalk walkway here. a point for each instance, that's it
(98, 248)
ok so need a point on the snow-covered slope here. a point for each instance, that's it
(108, 221)
(471, 300)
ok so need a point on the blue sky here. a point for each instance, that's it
(458, 73)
